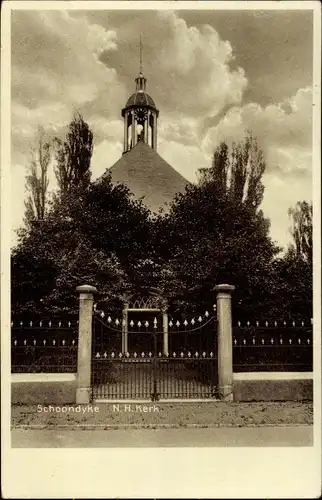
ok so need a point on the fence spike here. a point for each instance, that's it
(40, 324)
(95, 307)
(15, 342)
(257, 323)
(120, 355)
(196, 354)
(30, 323)
(244, 341)
(193, 321)
(117, 322)
(299, 341)
(146, 324)
(266, 323)
(59, 324)
(302, 324)
(263, 341)
(211, 354)
(235, 341)
(159, 354)
(25, 342)
(105, 354)
(135, 354)
(155, 323)
(181, 354)
(290, 341)
(34, 342)
(103, 315)
(64, 342)
(215, 307)
(174, 354)
(185, 322)
(127, 354)
(150, 354)
(204, 354)
(206, 314)
(131, 322)
(73, 342)
(54, 342)
(254, 341)
(69, 324)
(49, 324)
(142, 354)
(189, 354)
(272, 341)
(238, 323)
(275, 323)
(109, 319)
(284, 322)
(308, 341)
(248, 323)
(178, 323)
(170, 323)
(139, 324)
(281, 341)
(200, 319)
(97, 355)
(21, 323)
(44, 341)
(113, 355)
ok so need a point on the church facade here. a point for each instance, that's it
(141, 168)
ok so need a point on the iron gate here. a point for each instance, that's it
(186, 369)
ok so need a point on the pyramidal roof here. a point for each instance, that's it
(148, 176)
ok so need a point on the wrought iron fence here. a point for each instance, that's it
(277, 346)
(44, 345)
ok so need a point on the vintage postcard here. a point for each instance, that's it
(161, 249)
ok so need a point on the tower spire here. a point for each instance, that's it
(140, 79)
(141, 64)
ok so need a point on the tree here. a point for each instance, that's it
(216, 233)
(301, 230)
(238, 172)
(95, 235)
(37, 181)
(73, 156)
(294, 269)
(211, 238)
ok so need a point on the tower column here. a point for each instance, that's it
(126, 139)
(154, 132)
(146, 129)
(133, 129)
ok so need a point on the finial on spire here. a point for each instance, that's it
(141, 65)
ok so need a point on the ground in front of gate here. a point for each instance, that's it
(120, 415)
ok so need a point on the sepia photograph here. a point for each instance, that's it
(161, 226)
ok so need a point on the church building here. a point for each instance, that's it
(141, 168)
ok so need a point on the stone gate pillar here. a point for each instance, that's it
(84, 353)
(125, 320)
(165, 332)
(225, 344)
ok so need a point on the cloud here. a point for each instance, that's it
(284, 131)
(65, 61)
(56, 70)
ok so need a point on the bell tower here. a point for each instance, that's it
(140, 115)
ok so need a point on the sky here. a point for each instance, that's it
(212, 74)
